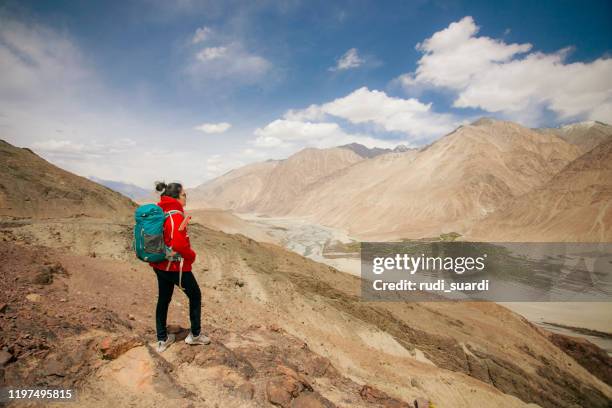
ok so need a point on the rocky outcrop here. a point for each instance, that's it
(588, 355)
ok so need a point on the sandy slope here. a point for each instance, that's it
(456, 355)
(585, 135)
(30, 186)
(228, 222)
(575, 205)
(270, 186)
(289, 179)
(235, 189)
(446, 187)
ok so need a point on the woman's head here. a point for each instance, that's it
(174, 190)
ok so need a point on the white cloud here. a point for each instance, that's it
(349, 60)
(508, 78)
(231, 62)
(37, 63)
(284, 133)
(201, 34)
(409, 116)
(64, 148)
(53, 100)
(211, 53)
(213, 127)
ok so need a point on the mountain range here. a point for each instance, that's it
(129, 190)
(461, 180)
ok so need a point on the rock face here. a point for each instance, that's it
(591, 357)
(32, 187)
(374, 395)
(573, 206)
(112, 347)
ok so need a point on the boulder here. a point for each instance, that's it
(5, 358)
(316, 367)
(311, 400)
(111, 348)
(245, 391)
(421, 403)
(375, 396)
(286, 386)
(34, 297)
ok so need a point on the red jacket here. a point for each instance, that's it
(180, 241)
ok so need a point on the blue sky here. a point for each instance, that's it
(113, 89)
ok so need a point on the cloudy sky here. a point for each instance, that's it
(185, 90)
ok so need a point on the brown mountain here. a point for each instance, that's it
(269, 186)
(575, 205)
(32, 187)
(236, 189)
(445, 187)
(585, 135)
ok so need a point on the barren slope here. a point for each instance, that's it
(445, 187)
(276, 319)
(235, 189)
(32, 187)
(576, 205)
(272, 186)
(585, 135)
(292, 176)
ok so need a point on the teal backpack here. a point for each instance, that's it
(149, 234)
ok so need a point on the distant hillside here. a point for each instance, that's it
(32, 187)
(445, 187)
(236, 189)
(576, 205)
(368, 153)
(269, 186)
(585, 135)
(132, 191)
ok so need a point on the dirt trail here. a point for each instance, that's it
(286, 331)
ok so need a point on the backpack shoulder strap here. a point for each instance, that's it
(169, 215)
(174, 212)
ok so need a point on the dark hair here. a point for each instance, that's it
(171, 190)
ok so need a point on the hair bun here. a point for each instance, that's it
(160, 186)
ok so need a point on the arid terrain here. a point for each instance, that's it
(461, 184)
(77, 310)
(574, 205)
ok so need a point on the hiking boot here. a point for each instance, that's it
(163, 345)
(193, 340)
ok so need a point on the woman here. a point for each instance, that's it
(176, 272)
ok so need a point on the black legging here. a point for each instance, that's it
(165, 283)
